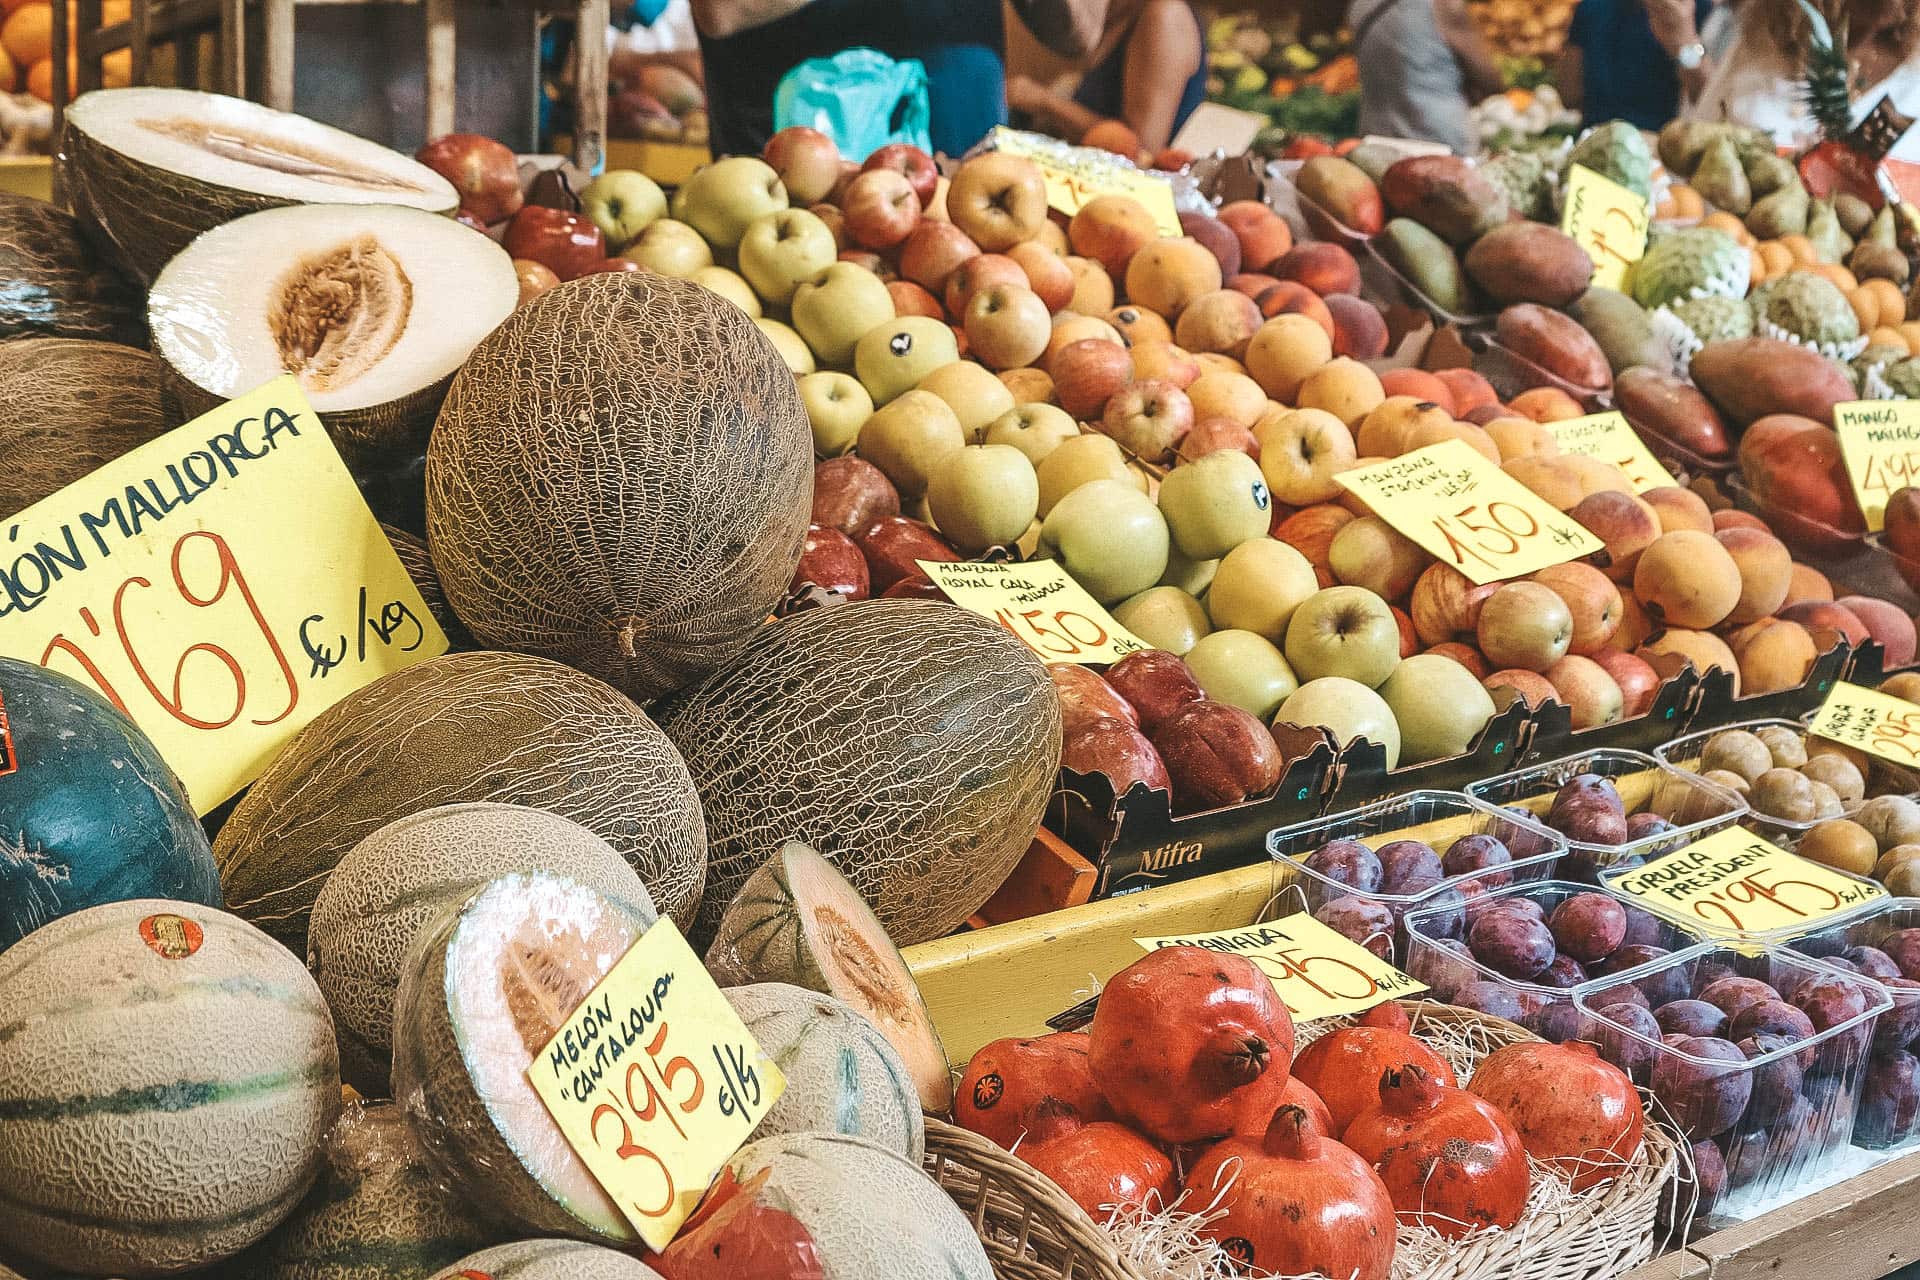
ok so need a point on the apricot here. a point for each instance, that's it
(1419, 384)
(1137, 324)
(1804, 582)
(1624, 522)
(1433, 432)
(1676, 647)
(1222, 321)
(1773, 655)
(1765, 568)
(1384, 431)
(1223, 394)
(1168, 274)
(1284, 351)
(1218, 362)
(1546, 404)
(1345, 388)
(1687, 579)
(1679, 509)
(1163, 362)
(1635, 625)
(1521, 438)
(1730, 518)
(1290, 297)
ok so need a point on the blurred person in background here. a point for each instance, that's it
(1419, 59)
(1149, 71)
(1614, 66)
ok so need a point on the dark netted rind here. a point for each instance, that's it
(69, 406)
(53, 285)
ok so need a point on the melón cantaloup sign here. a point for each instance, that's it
(222, 584)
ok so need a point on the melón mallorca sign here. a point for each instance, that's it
(223, 585)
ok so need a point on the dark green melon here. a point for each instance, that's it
(52, 283)
(69, 406)
(89, 812)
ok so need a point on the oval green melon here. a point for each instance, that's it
(467, 726)
(912, 743)
(57, 286)
(487, 986)
(620, 479)
(379, 1212)
(91, 813)
(842, 1075)
(549, 1260)
(69, 406)
(797, 920)
(167, 1078)
(396, 881)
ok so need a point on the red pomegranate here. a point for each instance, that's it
(738, 1230)
(1450, 1160)
(1188, 1044)
(1572, 1108)
(1008, 1082)
(1344, 1067)
(1101, 1166)
(1296, 1201)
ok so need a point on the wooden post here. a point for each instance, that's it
(139, 41)
(233, 48)
(440, 67)
(590, 85)
(276, 38)
(85, 43)
(62, 91)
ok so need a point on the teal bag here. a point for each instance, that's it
(860, 98)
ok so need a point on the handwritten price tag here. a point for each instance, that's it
(1880, 442)
(1608, 221)
(1611, 438)
(1875, 722)
(655, 1083)
(1076, 175)
(1318, 973)
(1468, 513)
(1734, 882)
(223, 585)
(1037, 601)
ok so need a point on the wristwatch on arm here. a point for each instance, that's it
(1690, 56)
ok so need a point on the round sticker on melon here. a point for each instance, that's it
(171, 937)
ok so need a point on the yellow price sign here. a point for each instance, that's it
(1733, 882)
(1317, 972)
(1880, 443)
(1469, 513)
(1608, 221)
(655, 1083)
(1874, 722)
(1041, 605)
(223, 585)
(1611, 438)
(1077, 175)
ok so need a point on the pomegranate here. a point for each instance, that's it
(1450, 1160)
(739, 1231)
(1188, 1044)
(1296, 1201)
(1572, 1108)
(1008, 1082)
(1101, 1166)
(1344, 1067)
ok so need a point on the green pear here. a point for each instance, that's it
(1109, 536)
(1784, 213)
(1831, 243)
(1243, 670)
(984, 495)
(1165, 617)
(1721, 181)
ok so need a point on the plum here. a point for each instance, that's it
(1830, 1003)
(1776, 1149)
(1511, 943)
(1527, 907)
(1711, 971)
(1491, 998)
(1625, 993)
(1446, 913)
(1347, 862)
(1631, 1055)
(1732, 994)
(1889, 1102)
(1899, 1026)
(1557, 1022)
(1524, 839)
(1872, 961)
(1445, 967)
(1710, 1174)
(1705, 1085)
(1589, 926)
(1479, 853)
(1565, 973)
(1360, 920)
(1690, 1018)
(1774, 1018)
(1903, 948)
(1777, 1082)
(1587, 809)
(1660, 986)
(1409, 867)
(1645, 929)
(1647, 823)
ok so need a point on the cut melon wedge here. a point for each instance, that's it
(797, 920)
(147, 170)
(372, 308)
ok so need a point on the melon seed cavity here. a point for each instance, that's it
(337, 313)
(258, 150)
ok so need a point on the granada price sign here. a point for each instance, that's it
(1317, 972)
(655, 1083)
(1469, 513)
(1610, 438)
(1077, 175)
(1041, 605)
(1877, 723)
(223, 585)
(1880, 443)
(1733, 882)
(1608, 221)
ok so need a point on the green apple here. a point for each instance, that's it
(1109, 536)
(909, 437)
(623, 203)
(1081, 460)
(983, 496)
(1243, 669)
(1346, 707)
(1343, 631)
(892, 357)
(1034, 429)
(1438, 704)
(846, 304)
(1258, 586)
(837, 407)
(1192, 576)
(783, 250)
(792, 348)
(729, 285)
(722, 199)
(973, 393)
(1215, 503)
(670, 248)
(1165, 617)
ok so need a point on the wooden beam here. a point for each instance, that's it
(1674, 1266)
(590, 86)
(233, 48)
(441, 82)
(276, 41)
(87, 18)
(1861, 1229)
(139, 45)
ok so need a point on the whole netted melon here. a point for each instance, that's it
(467, 726)
(69, 406)
(56, 286)
(549, 1260)
(89, 811)
(417, 560)
(913, 744)
(620, 479)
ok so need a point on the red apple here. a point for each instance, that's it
(881, 208)
(612, 267)
(1047, 273)
(807, 161)
(830, 560)
(911, 163)
(1211, 435)
(566, 243)
(535, 278)
(868, 259)
(909, 299)
(1155, 683)
(893, 545)
(1085, 697)
(1115, 748)
(980, 272)
(1637, 679)
(1149, 419)
(485, 173)
(1087, 374)
(851, 494)
(836, 222)
(930, 255)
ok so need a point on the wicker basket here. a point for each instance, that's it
(1032, 1231)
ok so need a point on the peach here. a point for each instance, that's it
(1521, 438)
(1369, 553)
(1765, 570)
(1383, 433)
(1029, 386)
(1088, 373)
(1679, 509)
(1673, 649)
(1116, 136)
(1530, 687)
(1092, 287)
(1635, 625)
(1263, 234)
(1435, 432)
(1593, 600)
(1211, 435)
(1625, 523)
(909, 299)
(1446, 604)
(1284, 352)
(1051, 235)
(1227, 395)
(1251, 283)
(1597, 475)
(1805, 582)
(1154, 358)
(1729, 518)
(1359, 330)
(1137, 324)
(1546, 404)
(981, 272)
(1588, 690)
(1638, 682)
(1687, 579)
(1222, 321)
(1466, 655)
(1322, 266)
(1773, 654)
(1311, 531)
(1345, 388)
(1071, 327)
(1828, 622)
(1555, 479)
(1168, 274)
(1419, 384)
(1047, 273)
(1110, 230)
(1486, 413)
(1288, 299)
(1217, 237)
(1218, 362)
(1887, 625)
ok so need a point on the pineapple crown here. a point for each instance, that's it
(1827, 84)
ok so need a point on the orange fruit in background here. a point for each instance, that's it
(27, 35)
(116, 69)
(8, 6)
(9, 74)
(40, 80)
